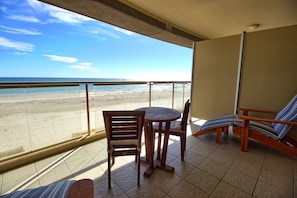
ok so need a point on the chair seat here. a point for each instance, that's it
(124, 142)
(262, 127)
(175, 126)
(218, 122)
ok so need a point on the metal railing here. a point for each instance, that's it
(40, 114)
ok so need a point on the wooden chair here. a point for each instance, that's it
(123, 131)
(217, 125)
(272, 132)
(177, 128)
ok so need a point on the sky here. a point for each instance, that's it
(40, 40)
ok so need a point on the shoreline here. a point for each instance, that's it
(35, 121)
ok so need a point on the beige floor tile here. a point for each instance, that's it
(47, 162)
(246, 168)
(204, 150)
(1, 182)
(101, 189)
(59, 172)
(146, 189)
(295, 188)
(209, 170)
(186, 189)
(222, 158)
(252, 157)
(181, 168)
(164, 180)
(193, 158)
(125, 179)
(241, 181)
(203, 180)
(225, 190)
(279, 162)
(264, 190)
(277, 180)
(213, 168)
(14, 178)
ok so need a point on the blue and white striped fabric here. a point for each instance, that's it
(55, 190)
(218, 122)
(289, 113)
(262, 127)
(274, 130)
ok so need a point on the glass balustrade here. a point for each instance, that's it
(37, 115)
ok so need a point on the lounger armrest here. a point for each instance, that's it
(247, 110)
(243, 117)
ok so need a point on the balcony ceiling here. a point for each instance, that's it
(183, 21)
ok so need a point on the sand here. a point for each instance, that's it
(29, 122)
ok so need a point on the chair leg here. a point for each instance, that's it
(138, 170)
(219, 135)
(182, 145)
(245, 136)
(159, 145)
(109, 178)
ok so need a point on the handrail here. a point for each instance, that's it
(49, 84)
(86, 92)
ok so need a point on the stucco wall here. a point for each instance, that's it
(268, 79)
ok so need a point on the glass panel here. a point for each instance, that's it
(162, 95)
(118, 97)
(32, 118)
(182, 92)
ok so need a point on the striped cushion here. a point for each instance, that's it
(218, 122)
(55, 190)
(289, 113)
(262, 127)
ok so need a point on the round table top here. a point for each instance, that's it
(160, 114)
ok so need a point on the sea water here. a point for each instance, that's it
(67, 89)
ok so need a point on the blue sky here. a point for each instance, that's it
(39, 40)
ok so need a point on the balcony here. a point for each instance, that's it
(209, 169)
(64, 111)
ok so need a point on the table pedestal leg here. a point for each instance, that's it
(149, 149)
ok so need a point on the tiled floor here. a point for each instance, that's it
(209, 170)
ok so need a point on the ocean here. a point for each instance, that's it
(67, 89)
(48, 79)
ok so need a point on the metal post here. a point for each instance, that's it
(88, 109)
(240, 64)
(150, 94)
(173, 94)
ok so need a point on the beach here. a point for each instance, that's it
(32, 121)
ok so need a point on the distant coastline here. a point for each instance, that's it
(58, 79)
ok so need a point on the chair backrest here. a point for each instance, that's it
(288, 113)
(123, 126)
(185, 115)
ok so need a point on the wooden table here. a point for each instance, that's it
(161, 115)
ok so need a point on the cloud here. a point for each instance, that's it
(19, 31)
(64, 59)
(57, 15)
(127, 32)
(103, 32)
(19, 46)
(84, 67)
(24, 18)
